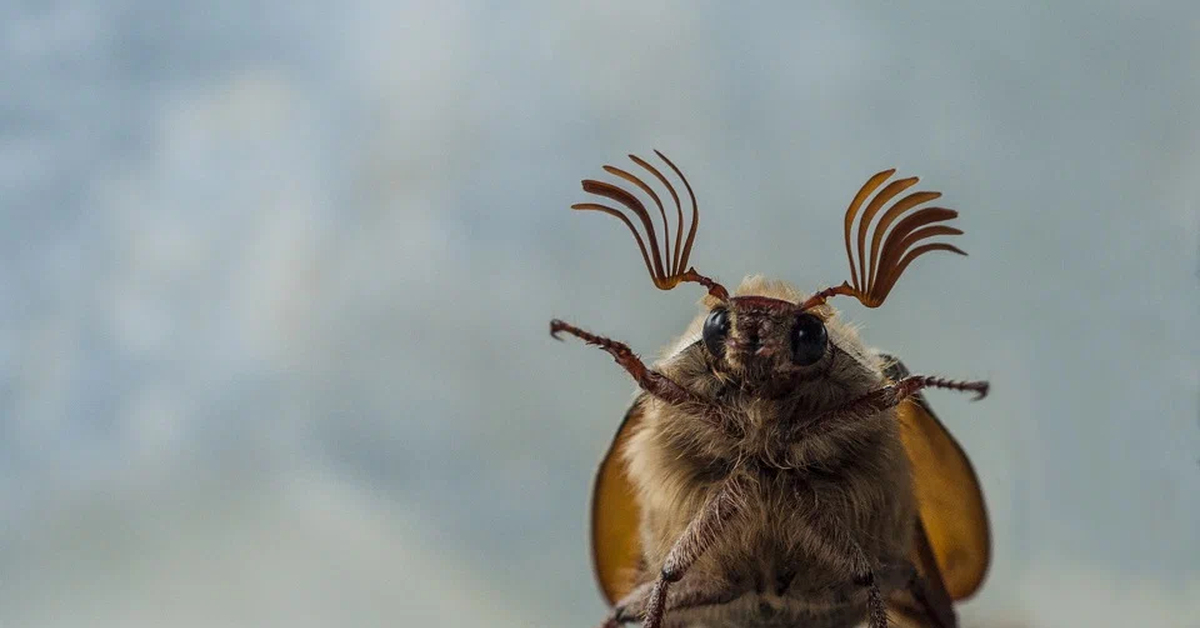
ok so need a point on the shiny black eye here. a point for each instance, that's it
(716, 327)
(808, 340)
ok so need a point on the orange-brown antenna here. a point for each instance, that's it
(666, 270)
(873, 277)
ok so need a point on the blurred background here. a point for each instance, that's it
(275, 280)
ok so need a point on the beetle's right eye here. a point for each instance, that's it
(716, 327)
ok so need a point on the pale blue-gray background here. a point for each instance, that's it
(275, 277)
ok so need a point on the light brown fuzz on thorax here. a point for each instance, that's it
(805, 482)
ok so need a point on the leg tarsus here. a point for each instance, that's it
(913, 383)
(651, 381)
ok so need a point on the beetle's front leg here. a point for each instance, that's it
(891, 395)
(841, 420)
(651, 381)
(654, 383)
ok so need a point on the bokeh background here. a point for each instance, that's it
(275, 279)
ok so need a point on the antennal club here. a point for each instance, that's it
(891, 252)
(667, 270)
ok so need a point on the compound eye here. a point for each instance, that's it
(716, 328)
(808, 340)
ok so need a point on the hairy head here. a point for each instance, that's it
(763, 341)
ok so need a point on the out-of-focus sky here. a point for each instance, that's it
(275, 279)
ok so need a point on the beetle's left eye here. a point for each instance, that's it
(808, 340)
